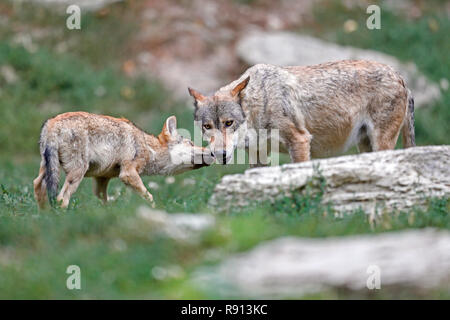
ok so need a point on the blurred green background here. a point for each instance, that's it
(46, 69)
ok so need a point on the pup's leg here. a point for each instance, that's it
(40, 192)
(73, 180)
(130, 176)
(298, 144)
(100, 188)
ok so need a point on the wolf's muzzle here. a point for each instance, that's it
(205, 159)
(221, 155)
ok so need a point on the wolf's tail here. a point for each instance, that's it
(51, 176)
(50, 162)
(408, 135)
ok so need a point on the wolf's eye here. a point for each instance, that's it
(207, 126)
(228, 123)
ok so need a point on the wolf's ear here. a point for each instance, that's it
(196, 95)
(170, 126)
(241, 86)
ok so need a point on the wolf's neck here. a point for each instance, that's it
(156, 155)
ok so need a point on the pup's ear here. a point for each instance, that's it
(170, 126)
(196, 95)
(241, 86)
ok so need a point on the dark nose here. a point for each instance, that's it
(221, 154)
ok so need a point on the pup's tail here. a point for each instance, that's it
(49, 172)
(408, 135)
(51, 176)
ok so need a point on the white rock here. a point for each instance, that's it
(178, 226)
(9, 74)
(295, 266)
(153, 185)
(169, 180)
(397, 179)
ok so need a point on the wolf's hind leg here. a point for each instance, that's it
(130, 176)
(256, 161)
(73, 180)
(100, 186)
(386, 140)
(298, 144)
(40, 192)
(387, 124)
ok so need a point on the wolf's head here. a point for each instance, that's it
(220, 116)
(182, 154)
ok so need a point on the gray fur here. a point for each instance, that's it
(51, 176)
(319, 110)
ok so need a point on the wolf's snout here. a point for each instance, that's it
(208, 157)
(203, 159)
(222, 156)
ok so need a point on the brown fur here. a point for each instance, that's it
(103, 147)
(319, 110)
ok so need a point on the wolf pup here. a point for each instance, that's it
(103, 147)
(318, 110)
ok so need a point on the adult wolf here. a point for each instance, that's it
(103, 147)
(319, 110)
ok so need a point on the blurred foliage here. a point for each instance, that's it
(49, 84)
(105, 39)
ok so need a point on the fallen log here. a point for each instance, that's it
(393, 180)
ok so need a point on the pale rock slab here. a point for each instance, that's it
(373, 182)
(184, 227)
(292, 267)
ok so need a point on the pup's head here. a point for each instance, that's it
(220, 116)
(183, 155)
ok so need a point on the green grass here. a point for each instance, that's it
(116, 250)
(49, 84)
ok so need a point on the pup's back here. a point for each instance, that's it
(104, 147)
(84, 144)
(100, 139)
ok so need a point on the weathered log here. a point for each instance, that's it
(291, 267)
(398, 179)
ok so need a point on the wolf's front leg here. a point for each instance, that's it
(130, 176)
(298, 142)
(256, 161)
(258, 154)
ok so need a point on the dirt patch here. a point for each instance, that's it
(192, 43)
